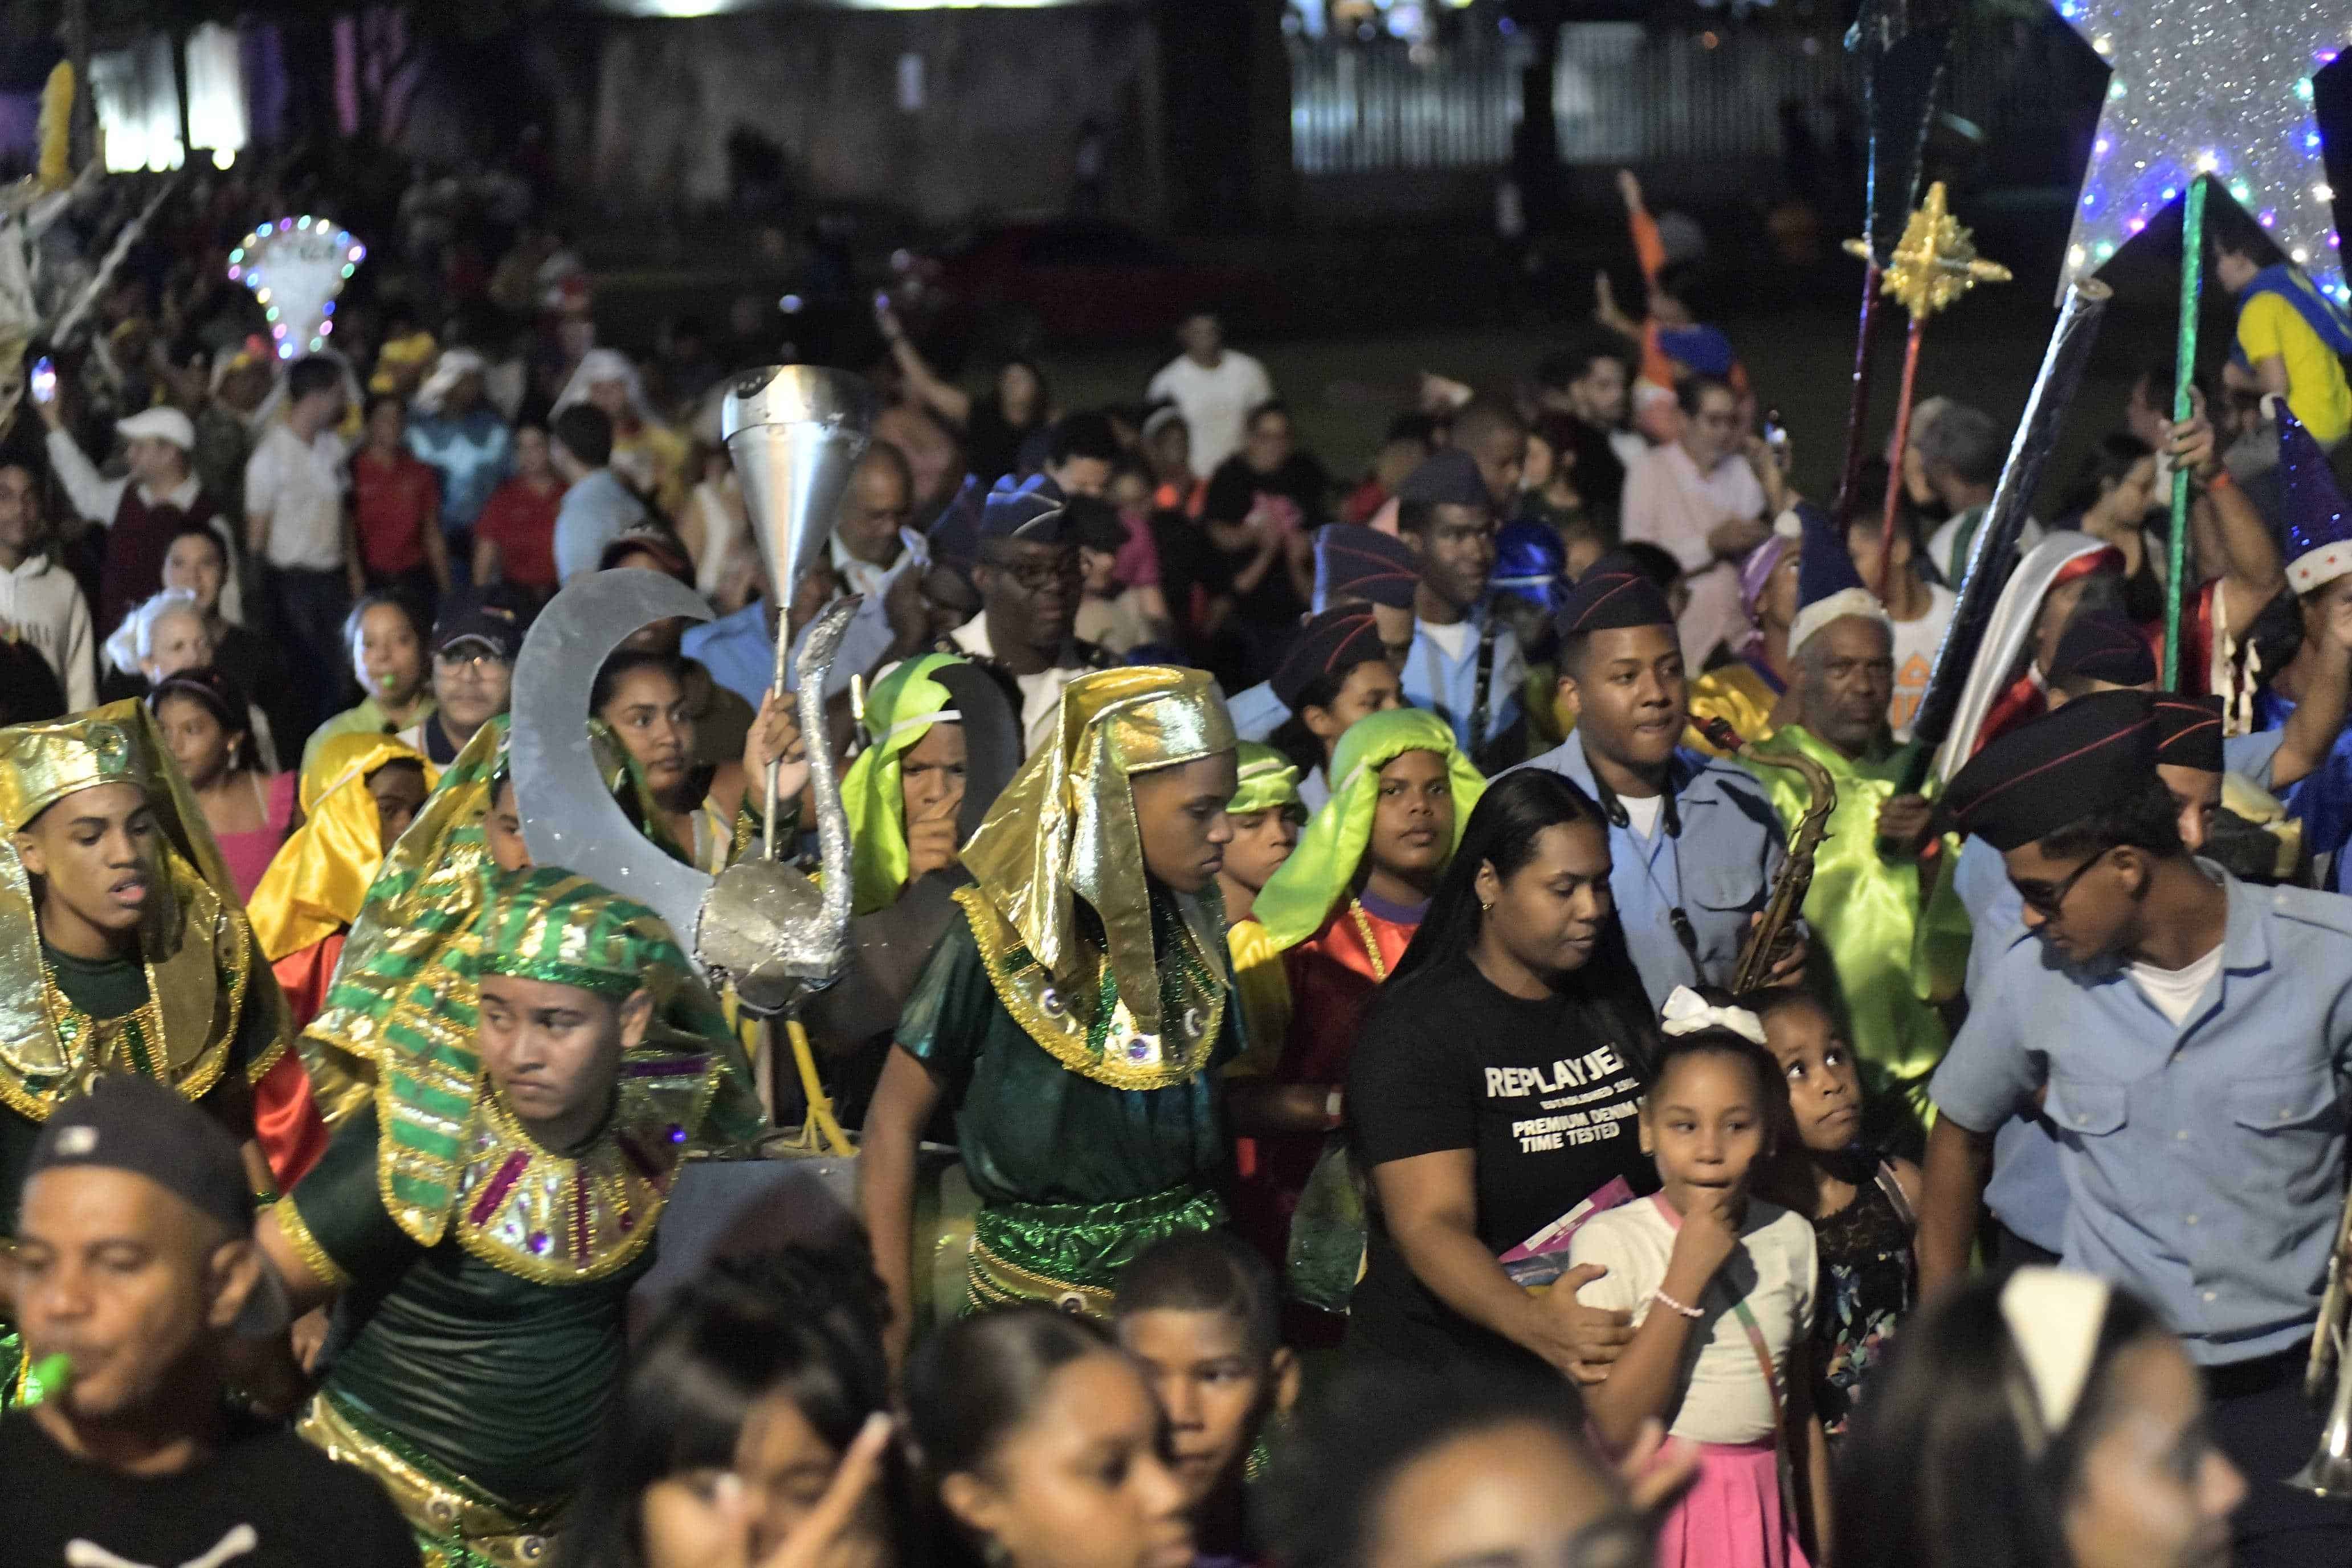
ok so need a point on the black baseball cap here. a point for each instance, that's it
(126, 1122)
(498, 628)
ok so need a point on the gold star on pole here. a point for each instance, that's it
(1936, 261)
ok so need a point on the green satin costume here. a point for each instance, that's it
(1076, 1016)
(479, 1326)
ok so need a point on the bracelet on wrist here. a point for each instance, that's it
(1676, 1307)
(2221, 479)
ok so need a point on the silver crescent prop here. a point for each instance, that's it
(569, 817)
(760, 924)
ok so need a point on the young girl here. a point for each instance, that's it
(1720, 1285)
(1864, 1204)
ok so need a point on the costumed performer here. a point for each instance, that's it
(123, 948)
(1341, 910)
(1894, 950)
(942, 742)
(368, 789)
(479, 1221)
(1076, 1017)
(1266, 815)
(1336, 672)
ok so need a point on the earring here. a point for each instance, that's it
(1485, 908)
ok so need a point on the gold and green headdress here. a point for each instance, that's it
(454, 1158)
(201, 973)
(1065, 830)
(1299, 896)
(319, 878)
(899, 711)
(429, 893)
(1267, 780)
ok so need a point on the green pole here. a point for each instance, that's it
(2192, 275)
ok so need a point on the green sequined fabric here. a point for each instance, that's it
(1086, 1246)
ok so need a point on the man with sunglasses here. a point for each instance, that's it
(2188, 1035)
(1026, 571)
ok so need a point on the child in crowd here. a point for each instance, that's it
(1720, 1284)
(1864, 1202)
(1201, 1314)
(1109, 613)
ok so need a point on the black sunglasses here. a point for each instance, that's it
(2046, 899)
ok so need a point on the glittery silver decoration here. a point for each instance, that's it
(2221, 86)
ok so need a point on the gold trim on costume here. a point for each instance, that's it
(1060, 1016)
(555, 1219)
(510, 1537)
(1064, 829)
(195, 943)
(306, 1247)
(992, 1283)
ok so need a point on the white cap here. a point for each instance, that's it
(159, 425)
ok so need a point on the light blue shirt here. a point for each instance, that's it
(473, 456)
(595, 512)
(2203, 1161)
(735, 650)
(1719, 870)
(1257, 712)
(1447, 686)
(2028, 1190)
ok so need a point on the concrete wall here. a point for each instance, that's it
(1004, 95)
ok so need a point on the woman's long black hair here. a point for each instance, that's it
(1943, 1468)
(1502, 832)
(801, 1323)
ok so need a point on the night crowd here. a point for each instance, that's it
(1424, 1015)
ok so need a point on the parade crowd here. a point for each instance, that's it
(1420, 1012)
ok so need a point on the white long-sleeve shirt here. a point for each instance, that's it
(41, 603)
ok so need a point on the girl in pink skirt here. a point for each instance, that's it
(1720, 1286)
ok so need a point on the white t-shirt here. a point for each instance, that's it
(1453, 636)
(1041, 691)
(1724, 1396)
(2175, 991)
(299, 486)
(1213, 401)
(1642, 812)
(1915, 643)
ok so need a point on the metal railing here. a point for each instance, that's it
(1624, 94)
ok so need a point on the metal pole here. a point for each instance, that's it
(2184, 375)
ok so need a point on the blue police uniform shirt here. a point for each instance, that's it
(1257, 712)
(1448, 685)
(735, 649)
(1719, 870)
(2028, 1190)
(2203, 1161)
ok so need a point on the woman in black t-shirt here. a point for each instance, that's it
(1494, 1088)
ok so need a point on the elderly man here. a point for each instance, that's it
(1869, 904)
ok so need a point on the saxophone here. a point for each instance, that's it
(1797, 870)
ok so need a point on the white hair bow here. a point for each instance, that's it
(2053, 1317)
(1687, 1013)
